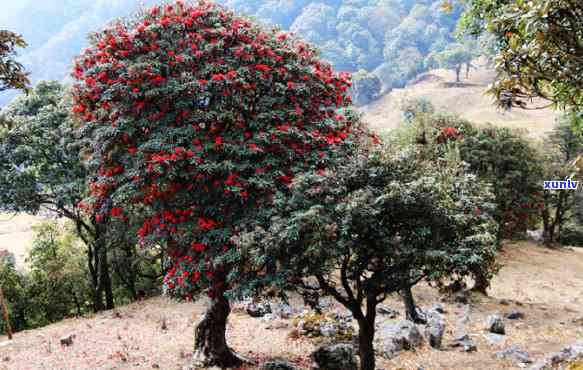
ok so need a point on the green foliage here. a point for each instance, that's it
(454, 57)
(13, 284)
(226, 112)
(12, 73)
(375, 224)
(560, 150)
(57, 283)
(366, 87)
(538, 49)
(40, 168)
(415, 108)
(58, 277)
(499, 156)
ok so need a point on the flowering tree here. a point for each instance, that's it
(193, 117)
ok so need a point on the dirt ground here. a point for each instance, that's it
(546, 285)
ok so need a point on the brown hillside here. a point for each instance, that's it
(468, 100)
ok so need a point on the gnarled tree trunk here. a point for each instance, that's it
(210, 344)
(410, 307)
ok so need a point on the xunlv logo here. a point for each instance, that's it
(556, 185)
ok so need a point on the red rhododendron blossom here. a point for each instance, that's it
(199, 91)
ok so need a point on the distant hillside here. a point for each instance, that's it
(392, 37)
(469, 101)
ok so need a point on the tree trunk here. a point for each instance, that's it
(458, 70)
(210, 344)
(106, 282)
(5, 315)
(102, 267)
(366, 331)
(481, 283)
(410, 307)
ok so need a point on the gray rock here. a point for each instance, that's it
(283, 310)
(495, 324)
(466, 316)
(434, 331)
(277, 365)
(328, 329)
(393, 338)
(494, 339)
(341, 356)
(464, 341)
(439, 308)
(568, 353)
(258, 309)
(388, 311)
(514, 353)
(67, 340)
(515, 315)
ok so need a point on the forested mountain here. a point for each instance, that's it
(390, 37)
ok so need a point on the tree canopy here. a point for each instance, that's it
(12, 73)
(192, 117)
(538, 48)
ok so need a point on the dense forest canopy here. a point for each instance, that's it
(390, 37)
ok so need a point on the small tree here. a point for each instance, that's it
(366, 87)
(193, 117)
(561, 148)
(454, 57)
(41, 171)
(371, 227)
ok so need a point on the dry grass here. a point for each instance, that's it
(16, 234)
(468, 101)
(544, 284)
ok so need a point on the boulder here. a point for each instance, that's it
(465, 342)
(340, 356)
(514, 353)
(258, 309)
(277, 365)
(434, 330)
(331, 325)
(392, 338)
(495, 339)
(515, 315)
(495, 324)
(567, 354)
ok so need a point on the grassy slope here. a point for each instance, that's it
(468, 101)
(543, 284)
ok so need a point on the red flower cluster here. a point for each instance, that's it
(198, 144)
